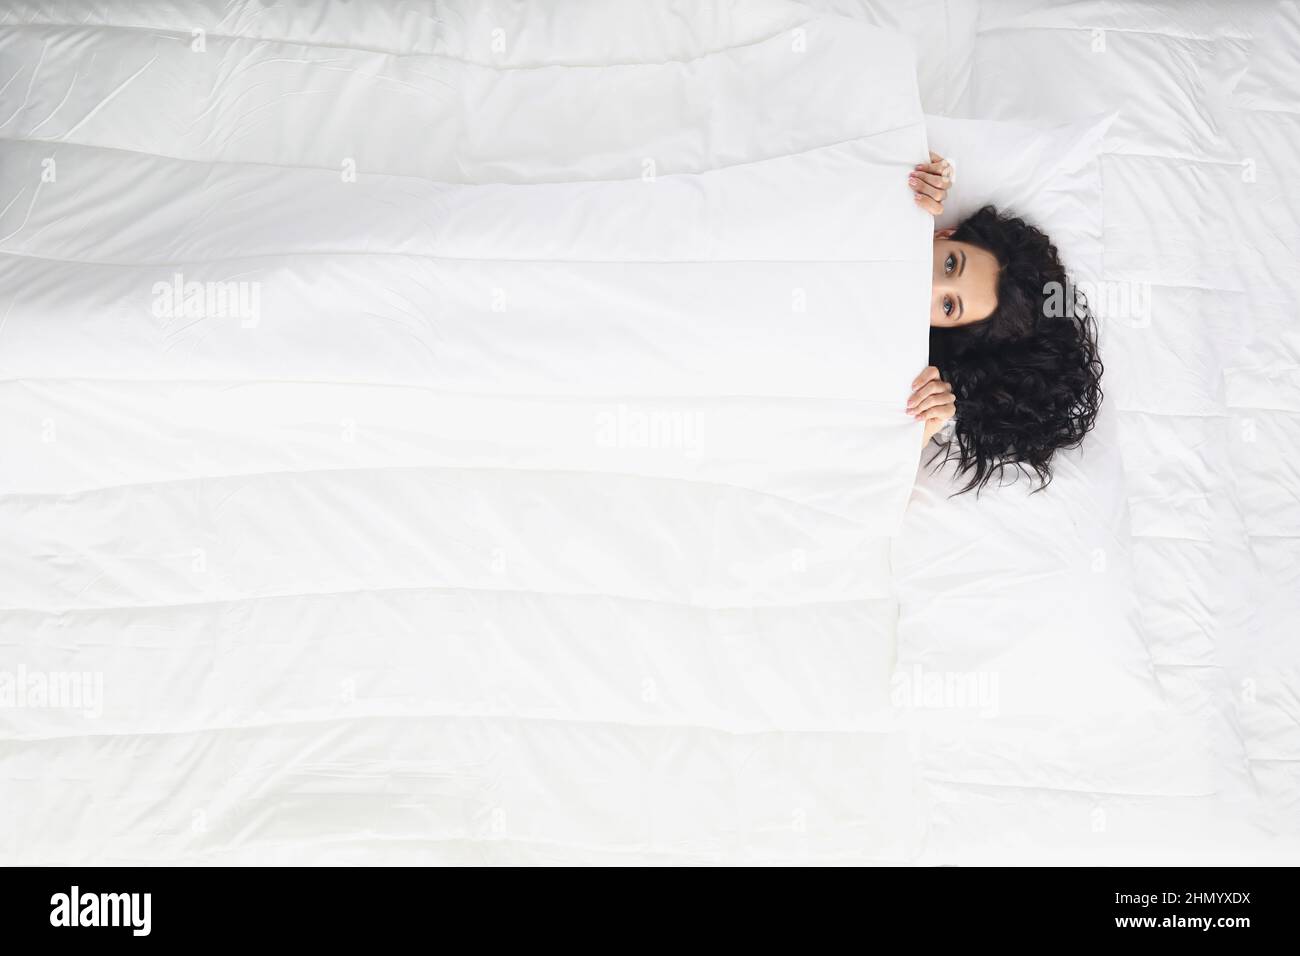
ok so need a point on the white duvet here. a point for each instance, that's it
(453, 437)
(518, 485)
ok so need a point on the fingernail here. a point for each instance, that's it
(912, 181)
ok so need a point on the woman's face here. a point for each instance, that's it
(965, 287)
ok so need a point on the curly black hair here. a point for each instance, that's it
(1027, 380)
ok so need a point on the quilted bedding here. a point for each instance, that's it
(1190, 486)
(427, 457)
(471, 431)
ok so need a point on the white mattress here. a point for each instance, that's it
(549, 507)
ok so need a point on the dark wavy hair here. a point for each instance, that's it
(1027, 379)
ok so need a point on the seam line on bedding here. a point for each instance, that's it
(839, 143)
(1181, 159)
(440, 258)
(349, 469)
(480, 843)
(886, 732)
(234, 383)
(590, 595)
(184, 34)
(1167, 34)
(956, 781)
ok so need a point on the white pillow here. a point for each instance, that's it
(943, 38)
(1050, 177)
(1033, 588)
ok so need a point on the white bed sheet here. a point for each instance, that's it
(1199, 207)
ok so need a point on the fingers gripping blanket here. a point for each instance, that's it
(416, 456)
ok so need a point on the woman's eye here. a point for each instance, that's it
(947, 306)
(950, 263)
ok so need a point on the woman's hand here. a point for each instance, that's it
(932, 400)
(930, 181)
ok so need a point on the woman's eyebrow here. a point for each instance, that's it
(963, 262)
(961, 309)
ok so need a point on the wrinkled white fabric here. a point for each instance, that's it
(527, 500)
